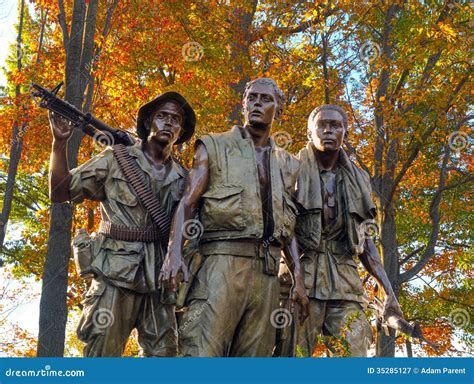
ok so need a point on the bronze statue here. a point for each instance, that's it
(128, 252)
(241, 184)
(336, 209)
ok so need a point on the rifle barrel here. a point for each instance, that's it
(84, 121)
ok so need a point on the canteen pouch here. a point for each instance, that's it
(271, 264)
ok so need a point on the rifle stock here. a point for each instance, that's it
(398, 323)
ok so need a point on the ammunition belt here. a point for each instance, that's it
(136, 177)
(121, 232)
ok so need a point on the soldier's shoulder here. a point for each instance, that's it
(290, 160)
(363, 173)
(285, 154)
(215, 140)
(180, 168)
(108, 152)
(304, 153)
(358, 170)
(217, 135)
(102, 159)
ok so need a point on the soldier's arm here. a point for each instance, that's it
(186, 210)
(59, 177)
(298, 292)
(370, 259)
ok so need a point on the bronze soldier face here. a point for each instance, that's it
(327, 131)
(260, 105)
(167, 123)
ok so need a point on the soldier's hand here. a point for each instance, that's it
(60, 127)
(391, 307)
(300, 299)
(174, 269)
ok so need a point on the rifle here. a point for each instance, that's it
(398, 323)
(87, 123)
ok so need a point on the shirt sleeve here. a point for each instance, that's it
(88, 180)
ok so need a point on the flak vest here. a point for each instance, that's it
(358, 208)
(231, 208)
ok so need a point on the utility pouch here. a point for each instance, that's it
(271, 264)
(82, 248)
(194, 259)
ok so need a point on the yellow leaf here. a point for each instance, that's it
(447, 30)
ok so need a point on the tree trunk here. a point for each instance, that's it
(324, 60)
(383, 180)
(409, 348)
(16, 146)
(53, 304)
(240, 50)
(388, 239)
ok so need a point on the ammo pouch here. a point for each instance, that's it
(271, 263)
(82, 248)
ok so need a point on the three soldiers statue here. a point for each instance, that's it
(264, 216)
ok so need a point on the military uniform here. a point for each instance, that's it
(329, 233)
(236, 289)
(124, 294)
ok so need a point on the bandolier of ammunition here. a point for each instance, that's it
(136, 177)
(124, 233)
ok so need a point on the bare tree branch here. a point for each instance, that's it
(411, 255)
(435, 222)
(63, 25)
(262, 33)
(419, 143)
(44, 17)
